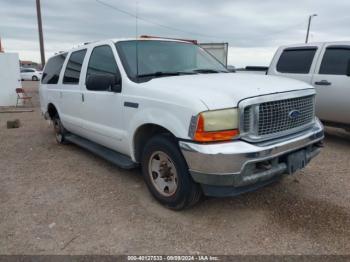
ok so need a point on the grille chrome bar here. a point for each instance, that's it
(273, 116)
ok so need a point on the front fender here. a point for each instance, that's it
(177, 123)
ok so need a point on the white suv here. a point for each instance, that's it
(174, 109)
(326, 66)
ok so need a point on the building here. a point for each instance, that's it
(29, 64)
(9, 76)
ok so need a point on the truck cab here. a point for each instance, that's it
(326, 66)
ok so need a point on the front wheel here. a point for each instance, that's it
(35, 78)
(166, 174)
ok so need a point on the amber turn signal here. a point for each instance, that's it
(201, 135)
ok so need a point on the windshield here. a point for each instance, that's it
(165, 58)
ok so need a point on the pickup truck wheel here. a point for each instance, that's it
(59, 130)
(166, 174)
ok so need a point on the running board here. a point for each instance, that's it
(112, 156)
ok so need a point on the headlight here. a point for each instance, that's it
(218, 125)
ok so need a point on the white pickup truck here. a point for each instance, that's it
(172, 108)
(326, 66)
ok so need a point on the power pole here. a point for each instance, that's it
(41, 37)
(308, 28)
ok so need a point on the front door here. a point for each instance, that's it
(332, 83)
(101, 110)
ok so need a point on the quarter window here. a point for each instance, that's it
(296, 60)
(73, 68)
(336, 61)
(53, 69)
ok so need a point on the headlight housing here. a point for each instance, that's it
(216, 125)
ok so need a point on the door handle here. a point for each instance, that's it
(82, 97)
(323, 83)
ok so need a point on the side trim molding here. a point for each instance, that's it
(131, 104)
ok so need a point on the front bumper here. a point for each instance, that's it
(239, 165)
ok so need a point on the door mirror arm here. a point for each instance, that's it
(348, 68)
(117, 88)
(116, 85)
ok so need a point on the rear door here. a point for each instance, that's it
(71, 92)
(297, 62)
(332, 84)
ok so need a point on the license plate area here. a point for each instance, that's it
(296, 161)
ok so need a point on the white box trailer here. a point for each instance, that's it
(218, 50)
(9, 78)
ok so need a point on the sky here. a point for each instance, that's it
(254, 29)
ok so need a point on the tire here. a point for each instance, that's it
(35, 78)
(60, 131)
(171, 185)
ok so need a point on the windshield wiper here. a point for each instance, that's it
(208, 71)
(160, 74)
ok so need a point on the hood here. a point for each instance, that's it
(224, 90)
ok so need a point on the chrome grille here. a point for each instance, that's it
(264, 118)
(275, 116)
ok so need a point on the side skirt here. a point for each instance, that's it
(112, 156)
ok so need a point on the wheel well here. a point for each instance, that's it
(51, 109)
(144, 133)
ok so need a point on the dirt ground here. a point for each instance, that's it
(58, 199)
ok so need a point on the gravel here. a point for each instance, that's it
(60, 199)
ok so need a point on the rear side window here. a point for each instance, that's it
(52, 69)
(296, 60)
(73, 68)
(335, 61)
(102, 61)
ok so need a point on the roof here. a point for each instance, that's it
(311, 44)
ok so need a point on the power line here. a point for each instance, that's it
(261, 37)
(153, 22)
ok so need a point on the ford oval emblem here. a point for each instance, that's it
(294, 114)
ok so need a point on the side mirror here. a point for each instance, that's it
(104, 82)
(348, 68)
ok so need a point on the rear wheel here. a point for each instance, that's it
(60, 131)
(166, 174)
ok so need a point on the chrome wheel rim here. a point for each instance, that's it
(163, 174)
